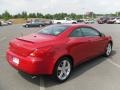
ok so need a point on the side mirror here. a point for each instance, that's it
(102, 35)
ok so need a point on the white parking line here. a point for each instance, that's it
(42, 85)
(113, 63)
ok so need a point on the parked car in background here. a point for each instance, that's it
(37, 23)
(80, 21)
(34, 24)
(111, 20)
(55, 50)
(48, 22)
(9, 22)
(3, 23)
(89, 21)
(117, 20)
(0, 23)
(65, 21)
(102, 20)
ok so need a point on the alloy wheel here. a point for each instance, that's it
(63, 70)
(108, 49)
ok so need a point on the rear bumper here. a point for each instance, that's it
(29, 65)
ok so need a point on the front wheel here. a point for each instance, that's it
(62, 69)
(74, 23)
(108, 49)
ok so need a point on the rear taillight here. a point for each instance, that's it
(39, 52)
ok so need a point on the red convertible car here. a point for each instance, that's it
(56, 49)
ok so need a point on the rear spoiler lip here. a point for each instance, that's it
(24, 40)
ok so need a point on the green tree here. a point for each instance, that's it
(32, 15)
(6, 15)
(17, 16)
(24, 15)
(79, 16)
(60, 16)
(117, 13)
(0, 16)
(73, 16)
(40, 15)
(48, 16)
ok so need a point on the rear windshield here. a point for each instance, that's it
(53, 30)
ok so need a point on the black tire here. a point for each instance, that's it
(108, 52)
(27, 26)
(0, 23)
(55, 74)
(58, 22)
(74, 23)
(40, 25)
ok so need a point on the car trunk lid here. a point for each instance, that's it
(23, 46)
(37, 38)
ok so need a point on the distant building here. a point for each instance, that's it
(89, 13)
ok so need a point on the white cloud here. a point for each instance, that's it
(56, 6)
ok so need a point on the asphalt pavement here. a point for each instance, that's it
(100, 73)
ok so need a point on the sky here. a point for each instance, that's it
(57, 6)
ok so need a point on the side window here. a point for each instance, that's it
(89, 32)
(76, 33)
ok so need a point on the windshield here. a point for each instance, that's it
(53, 30)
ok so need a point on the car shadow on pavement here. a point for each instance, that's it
(79, 70)
(32, 79)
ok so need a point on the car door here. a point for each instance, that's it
(97, 42)
(79, 46)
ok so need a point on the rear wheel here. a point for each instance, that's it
(74, 23)
(108, 49)
(62, 69)
(40, 25)
(27, 26)
(58, 22)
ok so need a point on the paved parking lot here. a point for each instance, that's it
(98, 74)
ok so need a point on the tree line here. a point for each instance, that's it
(6, 15)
